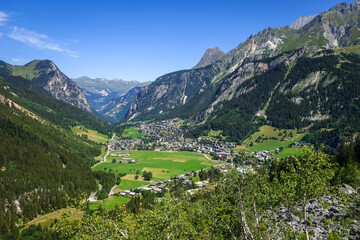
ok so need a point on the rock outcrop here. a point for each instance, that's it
(211, 55)
(46, 75)
(302, 21)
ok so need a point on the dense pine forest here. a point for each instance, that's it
(44, 167)
(328, 107)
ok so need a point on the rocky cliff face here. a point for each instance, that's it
(302, 21)
(59, 85)
(117, 108)
(48, 76)
(219, 81)
(210, 56)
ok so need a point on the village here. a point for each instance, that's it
(185, 180)
(167, 136)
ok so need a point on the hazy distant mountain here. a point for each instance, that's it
(47, 75)
(117, 108)
(210, 56)
(100, 91)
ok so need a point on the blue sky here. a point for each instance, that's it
(136, 39)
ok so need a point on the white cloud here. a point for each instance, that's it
(38, 40)
(3, 18)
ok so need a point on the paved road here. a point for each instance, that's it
(108, 151)
(112, 190)
(92, 197)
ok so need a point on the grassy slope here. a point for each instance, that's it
(131, 184)
(110, 202)
(92, 134)
(162, 164)
(348, 50)
(133, 133)
(27, 71)
(272, 144)
(48, 219)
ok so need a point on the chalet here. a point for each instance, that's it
(152, 184)
(189, 174)
(186, 182)
(157, 189)
(132, 193)
(123, 194)
(159, 148)
(161, 186)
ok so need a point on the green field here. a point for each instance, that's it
(92, 134)
(133, 133)
(48, 219)
(131, 184)
(296, 152)
(284, 137)
(110, 202)
(163, 165)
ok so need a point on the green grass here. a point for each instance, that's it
(163, 164)
(92, 134)
(131, 184)
(214, 135)
(110, 202)
(27, 71)
(294, 151)
(48, 219)
(272, 144)
(133, 133)
(348, 50)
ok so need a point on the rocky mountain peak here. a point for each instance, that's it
(302, 21)
(46, 74)
(210, 56)
(59, 85)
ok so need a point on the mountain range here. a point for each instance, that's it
(297, 68)
(99, 91)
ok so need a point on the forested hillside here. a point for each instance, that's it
(320, 93)
(43, 166)
(36, 99)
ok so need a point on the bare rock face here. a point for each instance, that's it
(59, 85)
(210, 56)
(302, 21)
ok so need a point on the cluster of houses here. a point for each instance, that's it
(120, 154)
(129, 193)
(167, 136)
(299, 144)
(124, 144)
(262, 156)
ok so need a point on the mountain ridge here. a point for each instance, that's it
(100, 91)
(200, 94)
(210, 56)
(47, 75)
